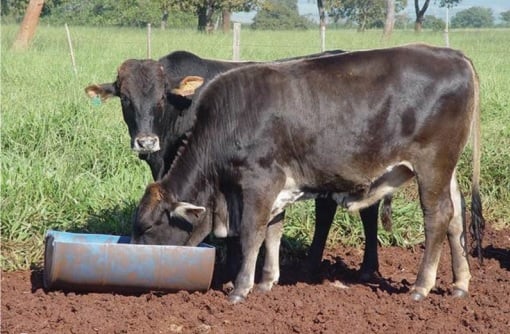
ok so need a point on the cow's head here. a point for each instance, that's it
(161, 220)
(150, 100)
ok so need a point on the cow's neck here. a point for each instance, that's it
(190, 178)
(174, 138)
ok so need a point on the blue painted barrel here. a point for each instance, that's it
(101, 262)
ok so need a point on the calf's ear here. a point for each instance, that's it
(103, 91)
(188, 211)
(188, 85)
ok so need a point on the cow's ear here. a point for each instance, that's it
(190, 212)
(179, 102)
(103, 91)
(188, 85)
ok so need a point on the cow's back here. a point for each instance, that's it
(179, 64)
(344, 118)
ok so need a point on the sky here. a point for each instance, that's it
(309, 8)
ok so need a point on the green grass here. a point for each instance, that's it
(66, 164)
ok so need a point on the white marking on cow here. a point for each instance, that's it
(289, 194)
(394, 176)
(220, 230)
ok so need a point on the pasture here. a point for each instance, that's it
(67, 165)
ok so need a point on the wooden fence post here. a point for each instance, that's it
(446, 36)
(236, 42)
(323, 38)
(148, 41)
(71, 51)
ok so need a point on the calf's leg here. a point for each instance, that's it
(325, 209)
(370, 265)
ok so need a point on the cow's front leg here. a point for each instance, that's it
(271, 269)
(259, 191)
(253, 233)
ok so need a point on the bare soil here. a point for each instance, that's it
(338, 304)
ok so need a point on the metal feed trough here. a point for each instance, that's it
(100, 262)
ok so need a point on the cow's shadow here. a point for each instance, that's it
(499, 254)
(293, 270)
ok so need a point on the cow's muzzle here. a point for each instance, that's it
(146, 144)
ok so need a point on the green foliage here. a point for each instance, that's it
(105, 13)
(14, 8)
(474, 17)
(66, 163)
(433, 23)
(505, 16)
(448, 3)
(365, 13)
(126, 13)
(280, 15)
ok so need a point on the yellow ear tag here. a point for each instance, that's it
(188, 86)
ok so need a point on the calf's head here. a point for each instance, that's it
(161, 220)
(150, 100)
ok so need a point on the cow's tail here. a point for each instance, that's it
(477, 221)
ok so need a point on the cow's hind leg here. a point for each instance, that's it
(457, 241)
(438, 211)
(271, 269)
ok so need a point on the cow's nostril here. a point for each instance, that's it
(147, 144)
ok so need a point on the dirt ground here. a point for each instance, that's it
(337, 305)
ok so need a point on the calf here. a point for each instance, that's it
(354, 126)
(155, 96)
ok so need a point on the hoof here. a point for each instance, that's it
(459, 293)
(367, 276)
(235, 299)
(417, 297)
(228, 287)
(264, 287)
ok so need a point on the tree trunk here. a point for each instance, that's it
(29, 25)
(202, 18)
(164, 19)
(390, 19)
(420, 14)
(322, 14)
(322, 24)
(226, 20)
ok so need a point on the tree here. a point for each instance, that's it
(474, 17)
(420, 12)
(322, 14)
(433, 23)
(279, 15)
(206, 9)
(505, 16)
(29, 25)
(390, 19)
(365, 13)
